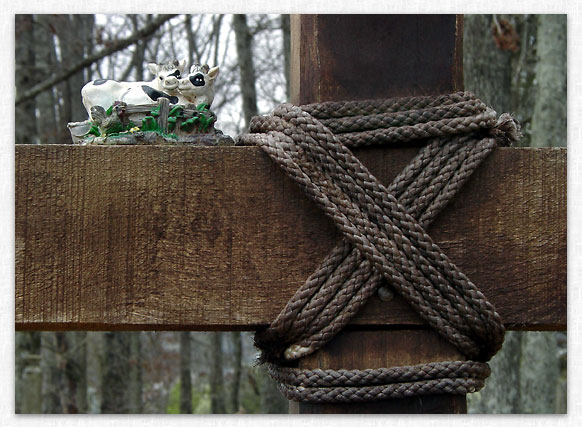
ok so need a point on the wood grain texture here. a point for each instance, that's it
(151, 237)
(377, 349)
(348, 57)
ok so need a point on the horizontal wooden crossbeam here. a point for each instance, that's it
(152, 237)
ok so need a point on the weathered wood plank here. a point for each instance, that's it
(159, 238)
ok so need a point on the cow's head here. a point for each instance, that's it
(199, 80)
(168, 74)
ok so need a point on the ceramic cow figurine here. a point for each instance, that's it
(105, 92)
(198, 87)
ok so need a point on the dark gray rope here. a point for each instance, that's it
(384, 236)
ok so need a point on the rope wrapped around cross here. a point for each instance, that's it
(384, 239)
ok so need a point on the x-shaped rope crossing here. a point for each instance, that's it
(384, 238)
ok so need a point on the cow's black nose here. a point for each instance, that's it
(197, 79)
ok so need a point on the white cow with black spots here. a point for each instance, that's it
(198, 87)
(105, 92)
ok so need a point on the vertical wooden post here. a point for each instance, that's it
(164, 104)
(352, 349)
(349, 57)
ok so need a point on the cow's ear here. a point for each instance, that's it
(153, 67)
(213, 73)
(182, 66)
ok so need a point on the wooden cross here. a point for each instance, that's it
(181, 238)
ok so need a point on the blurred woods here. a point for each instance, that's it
(515, 63)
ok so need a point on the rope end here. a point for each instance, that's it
(296, 351)
(507, 130)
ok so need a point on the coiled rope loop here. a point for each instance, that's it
(384, 238)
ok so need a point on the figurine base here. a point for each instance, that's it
(211, 139)
(160, 124)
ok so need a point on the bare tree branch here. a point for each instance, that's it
(144, 33)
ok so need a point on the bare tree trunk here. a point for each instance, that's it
(46, 61)
(138, 56)
(487, 67)
(237, 367)
(247, 71)
(20, 353)
(27, 373)
(71, 32)
(286, 28)
(88, 22)
(24, 78)
(94, 371)
(502, 393)
(190, 38)
(549, 116)
(31, 391)
(115, 368)
(185, 373)
(68, 371)
(62, 25)
(216, 34)
(135, 383)
(524, 376)
(216, 375)
(523, 64)
(76, 347)
(539, 373)
(51, 378)
(561, 406)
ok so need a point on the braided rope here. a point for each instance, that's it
(373, 393)
(383, 228)
(382, 376)
(321, 386)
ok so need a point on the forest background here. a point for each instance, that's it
(515, 63)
